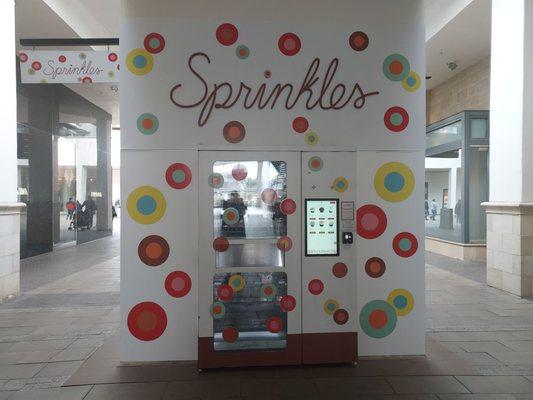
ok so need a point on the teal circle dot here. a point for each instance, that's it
(400, 302)
(178, 176)
(396, 119)
(146, 205)
(340, 184)
(237, 282)
(366, 323)
(331, 306)
(154, 43)
(242, 52)
(140, 61)
(405, 244)
(411, 81)
(406, 67)
(146, 129)
(394, 182)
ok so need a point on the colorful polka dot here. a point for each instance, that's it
(146, 205)
(375, 267)
(341, 316)
(224, 292)
(62, 58)
(396, 119)
(154, 43)
(87, 79)
(340, 184)
(147, 124)
(269, 196)
(234, 132)
(112, 57)
(358, 41)
(371, 221)
(23, 57)
(153, 250)
(311, 138)
(147, 321)
(217, 310)
(396, 67)
(315, 286)
(300, 124)
(216, 180)
(178, 284)
(268, 291)
(36, 65)
(227, 34)
(230, 334)
(237, 282)
(274, 325)
(289, 44)
(220, 244)
(239, 172)
(230, 216)
(178, 176)
(412, 82)
(330, 306)
(378, 319)
(339, 270)
(284, 243)
(402, 300)
(287, 303)
(394, 182)
(242, 52)
(315, 164)
(405, 244)
(287, 206)
(139, 62)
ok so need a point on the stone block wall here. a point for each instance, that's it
(467, 90)
(510, 248)
(9, 250)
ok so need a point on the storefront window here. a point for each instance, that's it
(444, 135)
(478, 191)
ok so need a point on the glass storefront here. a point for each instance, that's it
(457, 177)
(64, 168)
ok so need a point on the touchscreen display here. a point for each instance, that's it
(321, 227)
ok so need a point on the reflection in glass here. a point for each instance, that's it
(246, 255)
(247, 205)
(250, 310)
(478, 191)
(442, 204)
(446, 134)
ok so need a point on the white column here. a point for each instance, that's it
(510, 210)
(9, 209)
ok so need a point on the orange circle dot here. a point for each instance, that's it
(268, 290)
(154, 250)
(234, 132)
(359, 41)
(147, 321)
(396, 67)
(147, 123)
(217, 309)
(378, 319)
(375, 267)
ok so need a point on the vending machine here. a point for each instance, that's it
(277, 279)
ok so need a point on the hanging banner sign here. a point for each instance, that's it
(69, 67)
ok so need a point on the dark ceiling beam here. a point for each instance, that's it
(69, 42)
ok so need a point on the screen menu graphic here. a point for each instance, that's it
(321, 218)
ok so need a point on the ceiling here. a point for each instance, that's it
(457, 30)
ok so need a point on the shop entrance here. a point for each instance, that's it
(266, 253)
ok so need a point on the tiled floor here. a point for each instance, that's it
(58, 340)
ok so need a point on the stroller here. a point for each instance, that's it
(82, 219)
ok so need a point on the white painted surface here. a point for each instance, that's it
(8, 109)
(527, 145)
(507, 101)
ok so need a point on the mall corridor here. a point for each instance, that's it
(58, 340)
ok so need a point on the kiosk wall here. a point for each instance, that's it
(272, 166)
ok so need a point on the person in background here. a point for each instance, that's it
(433, 209)
(458, 211)
(426, 209)
(89, 206)
(71, 207)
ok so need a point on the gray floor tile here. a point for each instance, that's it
(519, 345)
(61, 368)
(514, 358)
(483, 347)
(348, 386)
(70, 393)
(477, 397)
(127, 391)
(19, 371)
(5, 395)
(426, 384)
(207, 389)
(496, 384)
(74, 354)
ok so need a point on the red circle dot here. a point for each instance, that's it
(315, 286)
(289, 44)
(230, 334)
(62, 58)
(340, 270)
(36, 65)
(300, 124)
(220, 244)
(227, 34)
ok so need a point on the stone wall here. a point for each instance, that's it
(9, 249)
(468, 90)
